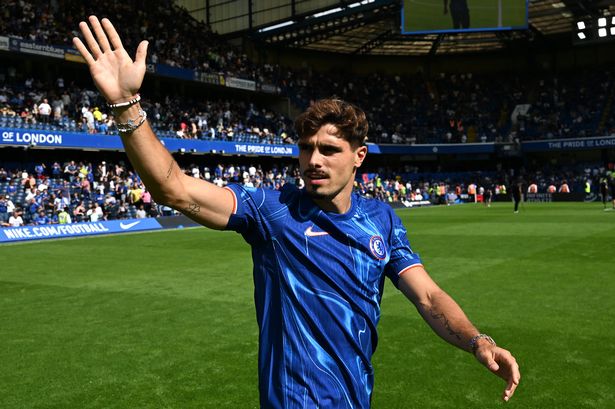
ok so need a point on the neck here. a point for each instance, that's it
(341, 203)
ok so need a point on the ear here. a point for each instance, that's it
(360, 155)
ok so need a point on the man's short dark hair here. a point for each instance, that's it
(349, 119)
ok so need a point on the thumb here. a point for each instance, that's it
(141, 52)
(487, 359)
(492, 365)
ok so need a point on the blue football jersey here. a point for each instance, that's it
(318, 279)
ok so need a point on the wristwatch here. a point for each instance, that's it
(475, 339)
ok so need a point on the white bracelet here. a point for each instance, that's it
(132, 124)
(125, 104)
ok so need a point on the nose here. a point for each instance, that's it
(314, 159)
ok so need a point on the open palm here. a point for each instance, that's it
(115, 74)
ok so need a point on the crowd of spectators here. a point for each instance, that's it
(175, 37)
(467, 108)
(78, 191)
(446, 108)
(67, 106)
(449, 108)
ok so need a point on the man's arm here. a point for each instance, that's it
(118, 79)
(447, 319)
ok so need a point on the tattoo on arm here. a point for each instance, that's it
(442, 318)
(170, 169)
(193, 209)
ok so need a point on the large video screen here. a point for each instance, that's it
(452, 16)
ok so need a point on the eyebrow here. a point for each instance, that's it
(307, 145)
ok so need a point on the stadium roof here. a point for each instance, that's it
(372, 27)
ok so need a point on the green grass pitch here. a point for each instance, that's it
(166, 320)
(425, 15)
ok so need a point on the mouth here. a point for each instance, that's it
(315, 178)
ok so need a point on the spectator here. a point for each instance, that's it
(44, 111)
(141, 214)
(15, 220)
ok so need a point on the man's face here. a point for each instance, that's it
(328, 163)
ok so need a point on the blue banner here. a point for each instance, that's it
(55, 231)
(569, 144)
(30, 47)
(438, 149)
(174, 72)
(75, 140)
(36, 137)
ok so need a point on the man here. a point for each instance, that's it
(44, 111)
(604, 189)
(460, 13)
(320, 254)
(517, 194)
(564, 188)
(15, 220)
(4, 211)
(64, 217)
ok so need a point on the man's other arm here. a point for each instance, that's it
(449, 321)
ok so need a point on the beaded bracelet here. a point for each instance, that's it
(132, 124)
(133, 101)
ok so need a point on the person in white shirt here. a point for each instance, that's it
(141, 213)
(10, 206)
(88, 117)
(15, 220)
(44, 111)
(95, 213)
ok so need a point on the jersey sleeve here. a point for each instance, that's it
(247, 218)
(402, 257)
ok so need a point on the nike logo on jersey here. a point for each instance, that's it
(310, 233)
(126, 226)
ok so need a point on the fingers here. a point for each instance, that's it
(114, 37)
(503, 364)
(103, 42)
(513, 381)
(141, 52)
(83, 51)
(89, 39)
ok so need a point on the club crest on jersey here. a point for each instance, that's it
(376, 245)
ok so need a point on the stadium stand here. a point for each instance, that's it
(92, 191)
(402, 109)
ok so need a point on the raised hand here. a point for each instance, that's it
(116, 75)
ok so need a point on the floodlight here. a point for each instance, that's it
(613, 31)
(276, 26)
(602, 22)
(602, 32)
(581, 25)
(581, 35)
